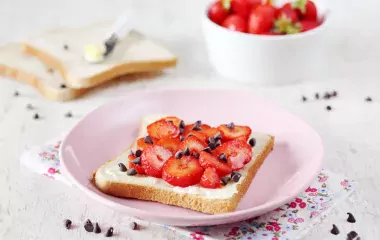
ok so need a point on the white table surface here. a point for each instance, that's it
(32, 207)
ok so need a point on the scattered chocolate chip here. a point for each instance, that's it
(88, 226)
(133, 225)
(212, 146)
(218, 143)
(351, 218)
(327, 95)
(328, 108)
(16, 94)
(207, 149)
(148, 139)
(231, 125)
(225, 180)
(63, 85)
(186, 152)
(368, 99)
(181, 130)
(223, 157)
(218, 136)
(316, 95)
(109, 232)
(181, 138)
(178, 155)
(68, 223)
(122, 167)
(199, 122)
(181, 124)
(351, 235)
(196, 155)
(335, 230)
(138, 153)
(196, 127)
(233, 173)
(66, 47)
(137, 160)
(236, 177)
(334, 94)
(50, 70)
(211, 140)
(36, 116)
(252, 142)
(29, 106)
(131, 172)
(68, 114)
(97, 228)
(304, 99)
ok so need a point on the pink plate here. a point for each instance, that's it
(107, 131)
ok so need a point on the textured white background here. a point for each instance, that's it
(31, 207)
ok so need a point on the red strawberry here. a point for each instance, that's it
(231, 132)
(218, 11)
(153, 158)
(212, 132)
(163, 129)
(244, 7)
(261, 19)
(142, 144)
(201, 136)
(182, 172)
(238, 153)
(235, 22)
(175, 120)
(207, 160)
(170, 144)
(210, 179)
(308, 25)
(287, 12)
(138, 167)
(193, 143)
(306, 9)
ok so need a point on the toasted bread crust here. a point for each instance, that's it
(190, 201)
(117, 71)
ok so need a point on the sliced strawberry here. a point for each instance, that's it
(138, 167)
(238, 153)
(196, 127)
(207, 160)
(193, 143)
(163, 129)
(153, 158)
(201, 136)
(143, 143)
(212, 132)
(210, 179)
(173, 119)
(231, 132)
(182, 172)
(171, 144)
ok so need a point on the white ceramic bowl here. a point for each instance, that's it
(267, 59)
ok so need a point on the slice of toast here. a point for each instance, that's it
(110, 180)
(63, 49)
(30, 70)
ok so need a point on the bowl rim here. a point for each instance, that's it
(321, 27)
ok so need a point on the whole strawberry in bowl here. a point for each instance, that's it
(264, 41)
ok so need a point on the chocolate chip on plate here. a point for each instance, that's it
(218, 136)
(131, 172)
(207, 149)
(63, 85)
(66, 47)
(68, 223)
(304, 99)
(16, 94)
(29, 106)
(236, 177)
(137, 160)
(186, 152)
(88, 226)
(252, 142)
(368, 99)
(122, 167)
(68, 114)
(334, 230)
(138, 153)
(328, 108)
(327, 95)
(133, 225)
(148, 139)
(109, 232)
(97, 228)
(178, 155)
(351, 218)
(196, 155)
(351, 235)
(231, 125)
(316, 95)
(225, 180)
(334, 93)
(223, 157)
(36, 116)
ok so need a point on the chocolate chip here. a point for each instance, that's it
(68, 223)
(236, 177)
(148, 139)
(351, 218)
(199, 122)
(231, 125)
(327, 95)
(212, 146)
(178, 155)
(131, 172)
(181, 138)
(304, 99)
(88, 226)
(181, 130)
(335, 230)
(29, 106)
(133, 225)
(16, 94)
(36, 116)
(225, 180)
(211, 140)
(218, 136)
(50, 70)
(66, 47)
(351, 235)
(252, 142)
(196, 155)
(68, 114)
(196, 127)
(137, 160)
(186, 152)
(233, 173)
(109, 232)
(316, 95)
(207, 149)
(181, 124)
(328, 108)
(63, 85)
(122, 167)
(97, 228)
(223, 157)
(334, 93)
(218, 143)
(368, 99)
(138, 153)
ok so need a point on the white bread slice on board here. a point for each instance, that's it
(30, 70)
(135, 53)
(110, 180)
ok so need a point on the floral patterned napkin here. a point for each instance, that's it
(291, 221)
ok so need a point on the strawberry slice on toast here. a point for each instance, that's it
(182, 172)
(237, 152)
(153, 158)
(232, 131)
